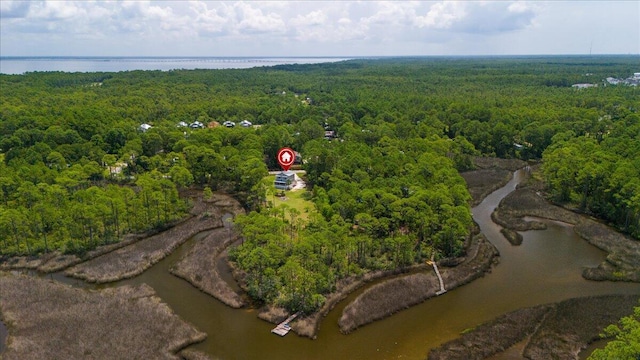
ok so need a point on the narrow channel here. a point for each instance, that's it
(545, 268)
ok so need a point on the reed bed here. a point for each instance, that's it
(493, 337)
(199, 267)
(623, 259)
(393, 295)
(132, 260)
(553, 331)
(62, 322)
(490, 175)
(575, 323)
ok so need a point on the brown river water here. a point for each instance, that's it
(545, 268)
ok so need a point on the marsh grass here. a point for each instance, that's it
(192, 354)
(552, 331)
(490, 175)
(199, 267)
(393, 295)
(623, 259)
(514, 237)
(133, 259)
(493, 337)
(62, 322)
(575, 323)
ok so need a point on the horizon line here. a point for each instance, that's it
(302, 56)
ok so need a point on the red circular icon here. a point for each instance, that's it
(286, 157)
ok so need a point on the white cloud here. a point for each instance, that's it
(253, 20)
(314, 27)
(502, 16)
(14, 9)
(442, 15)
(208, 22)
(314, 18)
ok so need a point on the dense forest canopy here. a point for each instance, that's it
(89, 157)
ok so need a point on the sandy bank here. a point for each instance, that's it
(552, 331)
(61, 322)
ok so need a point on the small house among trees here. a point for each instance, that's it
(285, 180)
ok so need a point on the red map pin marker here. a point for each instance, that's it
(286, 157)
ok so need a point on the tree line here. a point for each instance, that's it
(78, 170)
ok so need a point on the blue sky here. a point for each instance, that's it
(317, 28)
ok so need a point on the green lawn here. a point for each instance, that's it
(293, 199)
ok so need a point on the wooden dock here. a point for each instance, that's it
(283, 328)
(435, 268)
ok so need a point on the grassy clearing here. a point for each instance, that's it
(293, 198)
(62, 322)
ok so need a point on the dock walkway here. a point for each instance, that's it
(435, 267)
(283, 328)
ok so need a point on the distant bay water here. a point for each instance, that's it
(21, 65)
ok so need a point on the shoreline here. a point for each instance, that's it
(204, 215)
(623, 253)
(552, 331)
(56, 261)
(394, 295)
(491, 174)
(131, 260)
(204, 255)
(481, 255)
(72, 323)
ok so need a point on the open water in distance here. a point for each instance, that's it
(21, 65)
